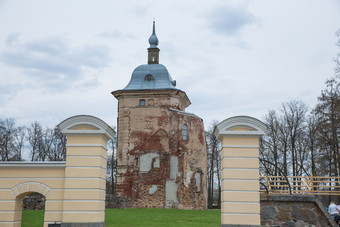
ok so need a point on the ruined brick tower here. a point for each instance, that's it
(161, 153)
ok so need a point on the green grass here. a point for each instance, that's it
(142, 217)
(32, 218)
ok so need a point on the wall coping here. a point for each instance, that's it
(16, 164)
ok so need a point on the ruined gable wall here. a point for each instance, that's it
(192, 183)
(152, 163)
(135, 125)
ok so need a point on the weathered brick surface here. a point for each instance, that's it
(145, 200)
(157, 129)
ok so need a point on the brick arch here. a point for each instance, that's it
(29, 187)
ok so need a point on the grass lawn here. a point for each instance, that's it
(142, 217)
(32, 218)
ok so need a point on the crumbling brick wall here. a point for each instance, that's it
(156, 166)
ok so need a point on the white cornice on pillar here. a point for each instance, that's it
(70, 125)
(255, 127)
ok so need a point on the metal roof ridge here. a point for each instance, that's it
(185, 113)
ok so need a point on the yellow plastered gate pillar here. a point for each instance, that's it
(74, 190)
(240, 199)
(85, 171)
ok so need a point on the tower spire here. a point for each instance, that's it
(153, 40)
(153, 51)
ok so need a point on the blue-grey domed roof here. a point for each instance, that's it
(151, 76)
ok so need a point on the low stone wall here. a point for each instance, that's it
(34, 201)
(113, 201)
(294, 211)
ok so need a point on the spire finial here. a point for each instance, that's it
(153, 51)
(153, 40)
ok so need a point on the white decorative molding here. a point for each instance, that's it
(240, 146)
(256, 128)
(232, 202)
(86, 145)
(30, 188)
(11, 164)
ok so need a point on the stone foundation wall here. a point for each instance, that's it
(294, 211)
(113, 201)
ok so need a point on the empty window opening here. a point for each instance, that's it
(142, 102)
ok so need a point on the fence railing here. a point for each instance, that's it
(300, 185)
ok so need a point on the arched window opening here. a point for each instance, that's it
(185, 132)
(152, 57)
(142, 102)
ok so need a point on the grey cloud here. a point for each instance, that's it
(53, 61)
(229, 20)
(47, 46)
(11, 38)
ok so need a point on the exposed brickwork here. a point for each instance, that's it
(151, 148)
(146, 200)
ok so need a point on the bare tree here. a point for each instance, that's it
(271, 144)
(294, 115)
(111, 164)
(213, 165)
(58, 149)
(35, 140)
(7, 131)
(284, 144)
(19, 143)
(327, 113)
(311, 132)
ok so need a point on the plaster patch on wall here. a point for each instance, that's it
(156, 163)
(153, 189)
(198, 181)
(171, 193)
(146, 161)
(173, 167)
(187, 179)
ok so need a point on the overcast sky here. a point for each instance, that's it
(60, 58)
